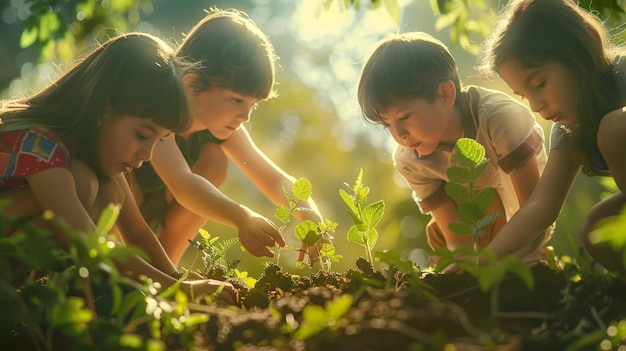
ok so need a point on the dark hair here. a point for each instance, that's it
(233, 52)
(133, 74)
(538, 31)
(404, 66)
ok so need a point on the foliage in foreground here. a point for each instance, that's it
(74, 299)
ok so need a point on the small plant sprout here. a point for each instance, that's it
(307, 231)
(365, 218)
(213, 253)
(469, 164)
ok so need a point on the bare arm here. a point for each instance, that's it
(135, 231)
(201, 197)
(612, 144)
(542, 207)
(268, 177)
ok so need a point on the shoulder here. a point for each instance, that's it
(494, 103)
(612, 129)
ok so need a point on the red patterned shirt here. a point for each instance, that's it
(28, 151)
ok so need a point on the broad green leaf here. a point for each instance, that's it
(307, 232)
(355, 236)
(479, 170)
(313, 321)
(459, 228)
(458, 175)
(282, 213)
(373, 213)
(469, 212)
(339, 306)
(469, 151)
(302, 189)
(484, 199)
(457, 192)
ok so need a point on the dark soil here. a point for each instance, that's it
(554, 315)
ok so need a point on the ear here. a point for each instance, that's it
(447, 92)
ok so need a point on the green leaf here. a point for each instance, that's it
(339, 306)
(373, 213)
(484, 199)
(459, 228)
(469, 151)
(479, 170)
(348, 200)
(355, 236)
(485, 221)
(372, 237)
(282, 213)
(107, 218)
(469, 212)
(307, 232)
(457, 192)
(29, 36)
(302, 189)
(488, 276)
(313, 321)
(458, 175)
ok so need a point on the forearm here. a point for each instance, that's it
(201, 197)
(154, 250)
(525, 232)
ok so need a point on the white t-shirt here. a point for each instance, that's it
(508, 131)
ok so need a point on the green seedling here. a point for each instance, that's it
(307, 231)
(469, 163)
(365, 217)
(213, 254)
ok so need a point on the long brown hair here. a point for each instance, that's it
(233, 52)
(539, 31)
(133, 74)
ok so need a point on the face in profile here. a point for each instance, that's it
(550, 88)
(125, 142)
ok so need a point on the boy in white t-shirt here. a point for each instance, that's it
(410, 85)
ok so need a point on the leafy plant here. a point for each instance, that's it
(307, 231)
(469, 163)
(365, 217)
(213, 254)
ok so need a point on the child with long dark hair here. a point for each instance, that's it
(559, 58)
(66, 149)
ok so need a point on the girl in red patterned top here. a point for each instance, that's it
(66, 149)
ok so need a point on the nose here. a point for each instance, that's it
(145, 153)
(536, 105)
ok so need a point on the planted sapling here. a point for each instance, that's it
(365, 217)
(307, 231)
(469, 163)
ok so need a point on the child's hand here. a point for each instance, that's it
(257, 234)
(195, 288)
(313, 250)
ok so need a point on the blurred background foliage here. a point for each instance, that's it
(314, 128)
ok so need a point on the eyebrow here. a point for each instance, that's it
(527, 80)
(153, 130)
